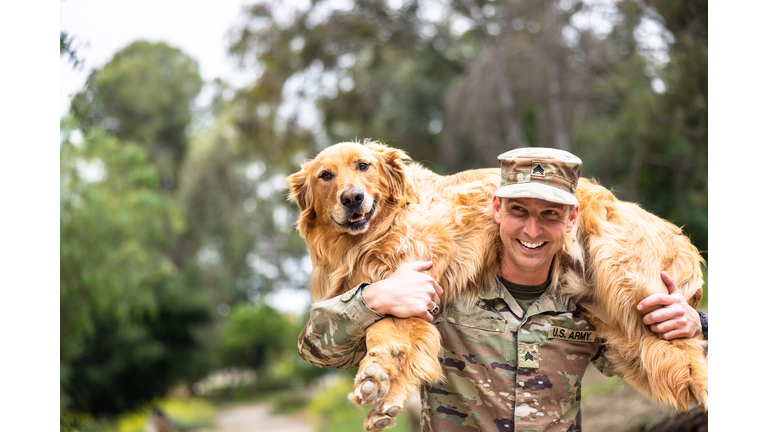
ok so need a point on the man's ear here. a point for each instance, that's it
(391, 163)
(573, 217)
(497, 209)
(301, 188)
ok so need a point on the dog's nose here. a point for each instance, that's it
(352, 197)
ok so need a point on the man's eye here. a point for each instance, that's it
(362, 166)
(325, 175)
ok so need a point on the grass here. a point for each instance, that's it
(186, 415)
(605, 386)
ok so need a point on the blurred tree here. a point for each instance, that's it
(686, 101)
(239, 242)
(258, 337)
(372, 70)
(67, 47)
(647, 132)
(127, 364)
(144, 94)
(454, 84)
(143, 267)
(254, 336)
(122, 310)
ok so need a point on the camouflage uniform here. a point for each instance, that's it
(506, 370)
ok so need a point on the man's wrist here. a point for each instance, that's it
(704, 325)
(362, 287)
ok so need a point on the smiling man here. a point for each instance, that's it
(514, 359)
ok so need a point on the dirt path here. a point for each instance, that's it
(257, 418)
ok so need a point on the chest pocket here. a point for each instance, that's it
(488, 320)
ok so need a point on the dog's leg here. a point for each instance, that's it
(402, 353)
(699, 375)
(677, 371)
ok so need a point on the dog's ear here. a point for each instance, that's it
(392, 163)
(300, 187)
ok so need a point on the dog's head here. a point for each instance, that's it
(348, 185)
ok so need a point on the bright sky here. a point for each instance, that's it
(101, 28)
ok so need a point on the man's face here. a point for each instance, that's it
(532, 232)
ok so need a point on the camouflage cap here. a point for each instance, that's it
(536, 172)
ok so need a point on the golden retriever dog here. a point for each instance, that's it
(366, 209)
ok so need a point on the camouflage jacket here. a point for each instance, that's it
(506, 370)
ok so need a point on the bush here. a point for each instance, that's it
(185, 414)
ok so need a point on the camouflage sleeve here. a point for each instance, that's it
(334, 337)
(600, 361)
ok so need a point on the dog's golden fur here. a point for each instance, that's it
(361, 222)
(618, 253)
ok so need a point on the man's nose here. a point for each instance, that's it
(532, 227)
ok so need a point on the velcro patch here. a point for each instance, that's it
(571, 335)
(528, 355)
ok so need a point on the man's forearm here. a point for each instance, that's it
(334, 337)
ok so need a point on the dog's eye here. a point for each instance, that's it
(325, 175)
(363, 166)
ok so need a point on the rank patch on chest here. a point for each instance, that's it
(571, 335)
(528, 355)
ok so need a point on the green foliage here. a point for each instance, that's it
(607, 386)
(185, 414)
(67, 47)
(128, 364)
(143, 94)
(371, 69)
(117, 223)
(650, 147)
(705, 297)
(127, 325)
(255, 336)
(258, 337)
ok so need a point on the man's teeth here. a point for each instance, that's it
(531, 245)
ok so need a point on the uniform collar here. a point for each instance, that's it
(545, 303)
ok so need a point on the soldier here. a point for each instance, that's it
(504, 370)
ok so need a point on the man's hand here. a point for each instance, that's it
(407, 293)
(676, 318)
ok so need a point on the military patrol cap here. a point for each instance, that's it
(537, 172)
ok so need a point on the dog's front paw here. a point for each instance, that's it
(379, 382)
(370, 384)
(381, 416)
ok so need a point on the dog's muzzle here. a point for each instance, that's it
(356, 217)
(352, 198)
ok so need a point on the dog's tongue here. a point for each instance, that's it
(356, 217)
